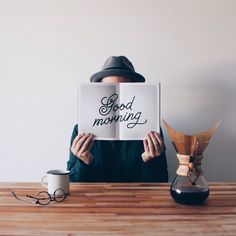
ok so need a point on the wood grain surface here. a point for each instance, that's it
(117, 209)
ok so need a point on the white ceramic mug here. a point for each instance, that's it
(56, 179)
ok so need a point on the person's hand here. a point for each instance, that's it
(153, 146)
(81, 147)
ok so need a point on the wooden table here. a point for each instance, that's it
(117, 209)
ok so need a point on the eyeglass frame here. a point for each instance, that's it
(51, 197)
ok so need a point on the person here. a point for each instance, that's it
(117, 161)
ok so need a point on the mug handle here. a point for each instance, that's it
(43, 183)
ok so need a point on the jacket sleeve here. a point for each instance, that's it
(79, 171)
(156, 169)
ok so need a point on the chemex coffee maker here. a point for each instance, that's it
(189, 185)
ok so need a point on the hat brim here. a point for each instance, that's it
(135, 77)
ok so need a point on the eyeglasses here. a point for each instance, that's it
(43, 197)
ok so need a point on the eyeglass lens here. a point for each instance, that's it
(59, 195)
(44, 198)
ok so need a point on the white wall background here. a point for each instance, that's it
(47, 46)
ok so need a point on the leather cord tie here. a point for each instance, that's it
(190, 166)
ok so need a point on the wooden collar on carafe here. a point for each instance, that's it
(187, 163)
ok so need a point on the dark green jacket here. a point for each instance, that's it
(117, 161)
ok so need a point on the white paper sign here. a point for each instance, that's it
(123, 111)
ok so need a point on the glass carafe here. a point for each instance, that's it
(189, 185)
(184, 192)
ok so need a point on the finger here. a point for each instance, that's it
(145, 144)
(91, 143)
(76, 140)
(156, 144)
(80, 143)
(160, 140)
(151, 146)
(146, 150)
(86, 144)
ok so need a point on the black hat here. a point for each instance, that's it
(117, 66)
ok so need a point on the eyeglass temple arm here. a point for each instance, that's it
(24, 200)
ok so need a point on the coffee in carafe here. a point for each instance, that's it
(189, 185)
